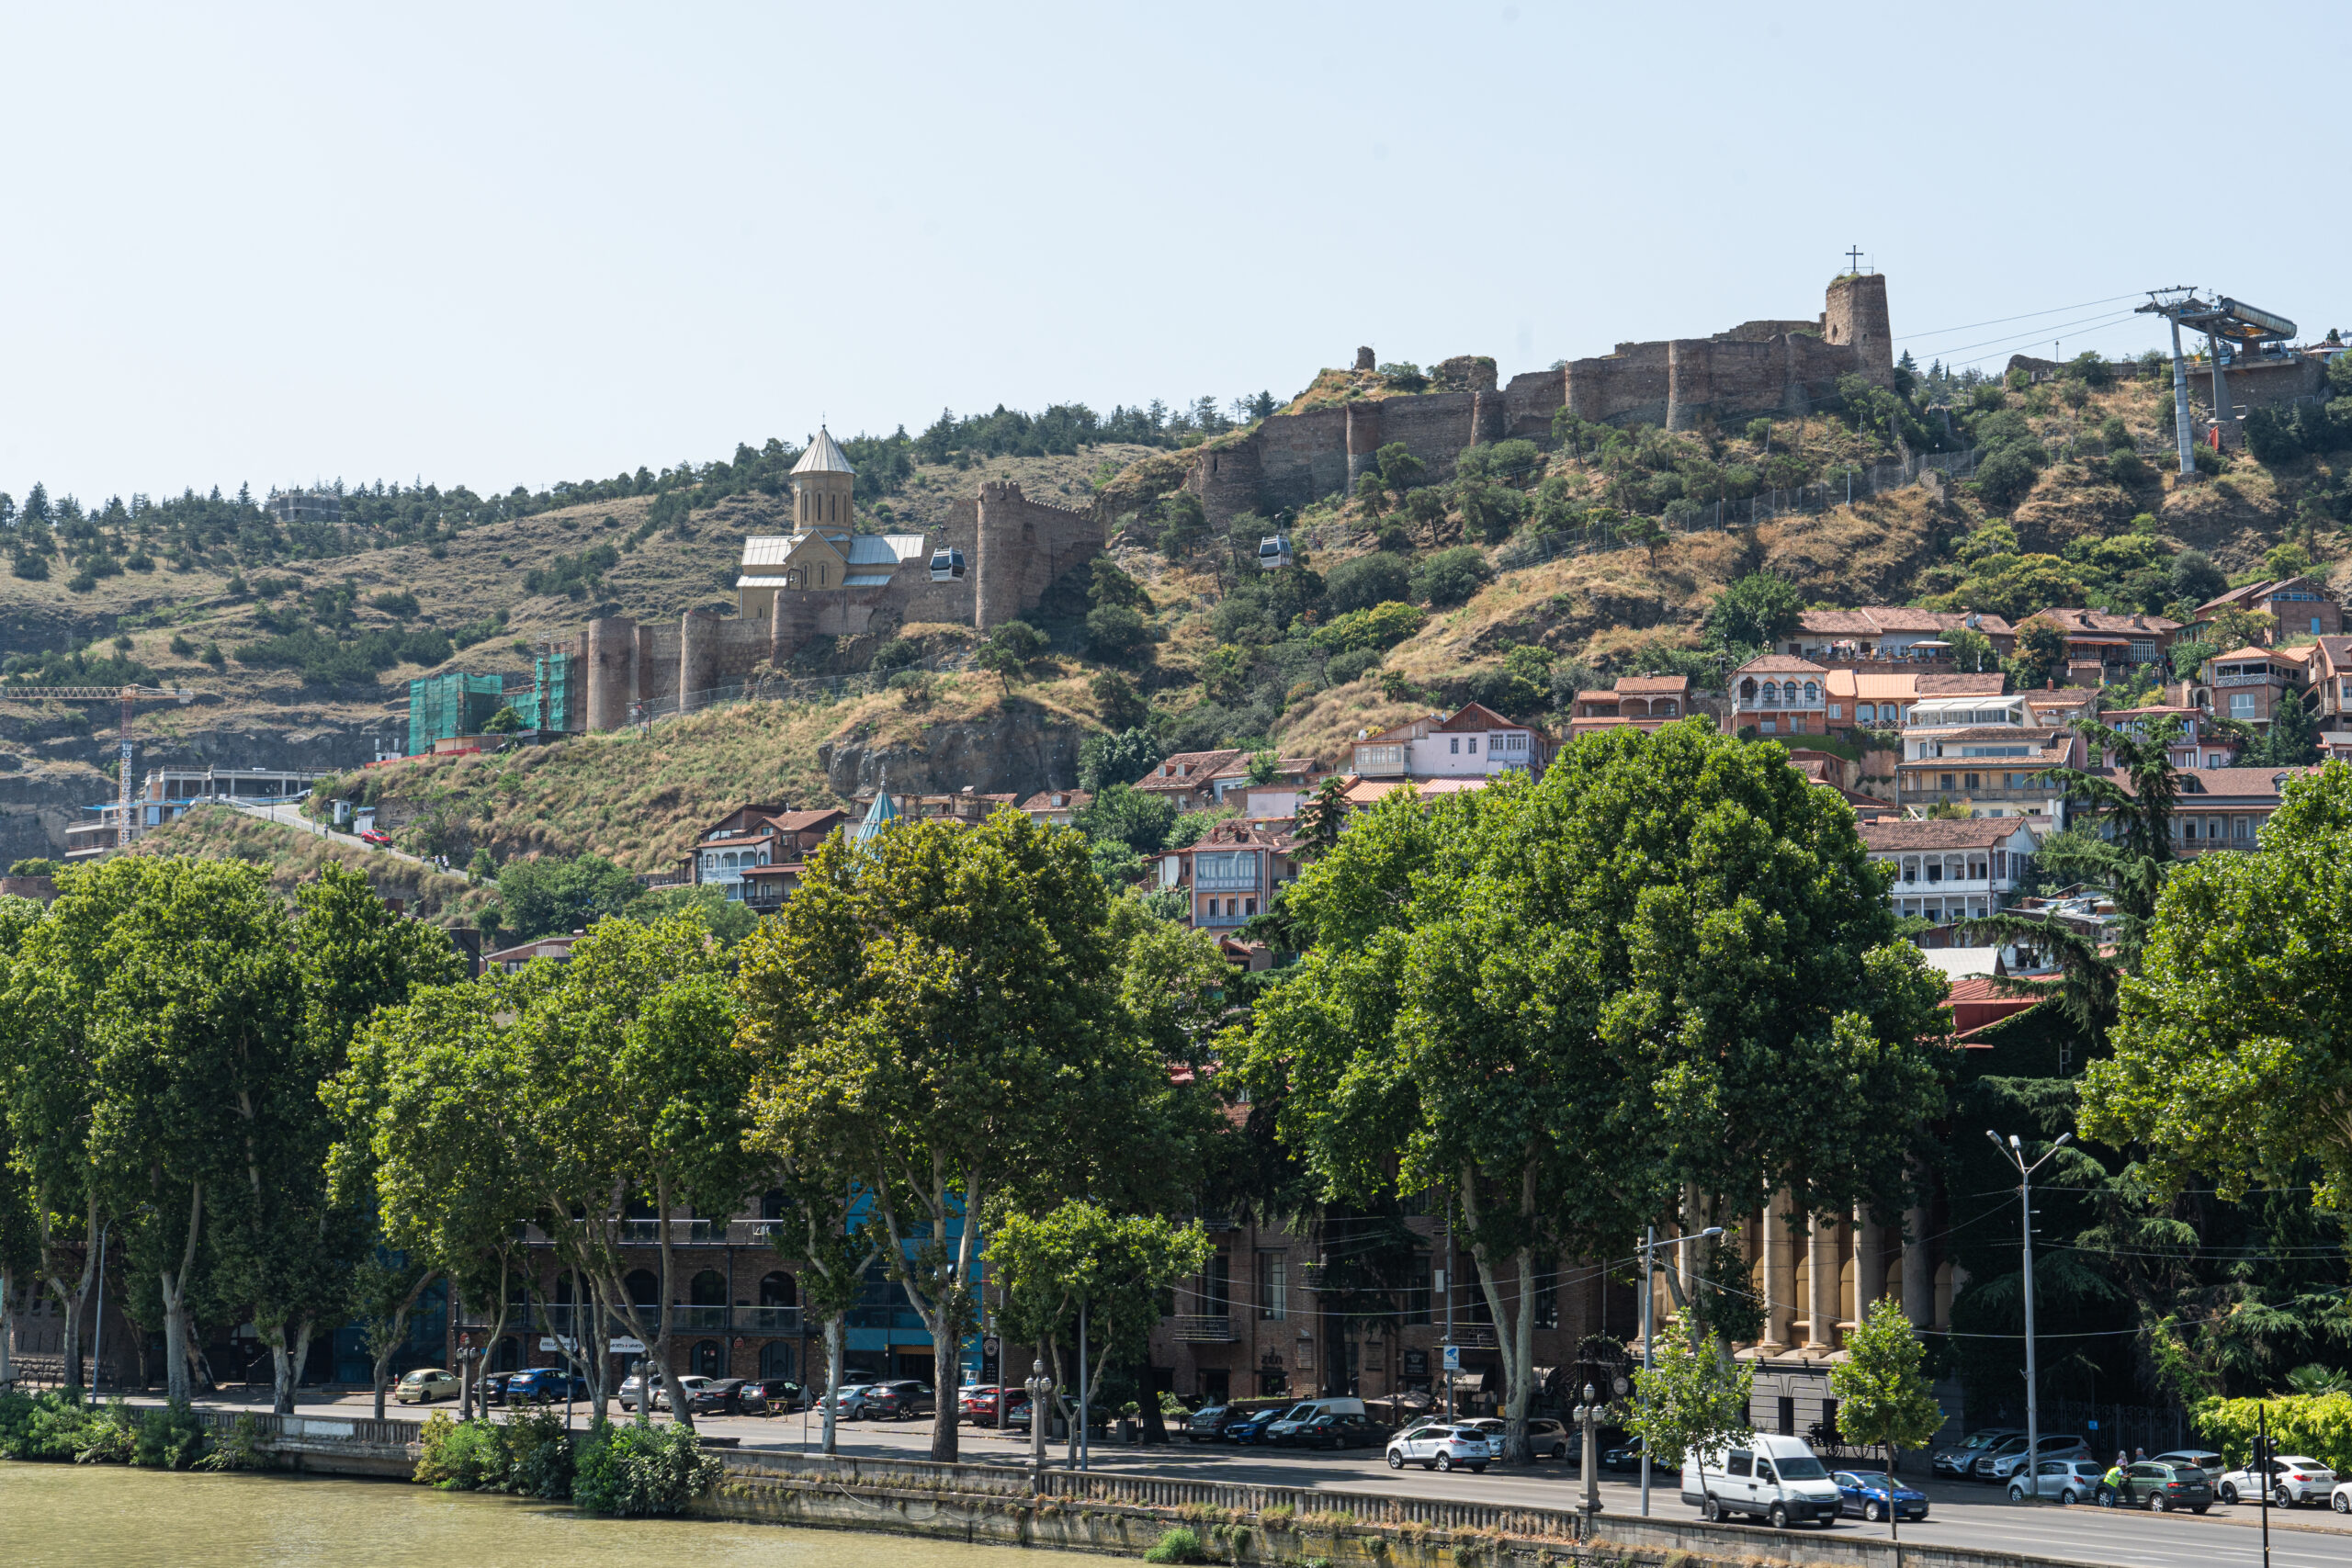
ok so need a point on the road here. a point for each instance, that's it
(1962, 1513)
(290, 815)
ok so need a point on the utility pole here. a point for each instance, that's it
(2180, 404)
(2014, 1152)
(1649, 1314)
(1446, 1283)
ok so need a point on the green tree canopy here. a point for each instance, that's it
(1754, 612)
(544, 895)
(1560, 1004)
(1883, 1397)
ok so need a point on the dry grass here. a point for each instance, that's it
(293, 856)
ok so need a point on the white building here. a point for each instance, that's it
(1474, 741)
(1953, 869)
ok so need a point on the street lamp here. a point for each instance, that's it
(1649, 1314)
(2014, 1152)
(1041, 1389)
(1587, 1415)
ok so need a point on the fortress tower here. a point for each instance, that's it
(1854, 316)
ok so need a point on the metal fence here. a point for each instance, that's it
(272, 1427)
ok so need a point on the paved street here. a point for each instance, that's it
(1963, 1513)
(289, 815)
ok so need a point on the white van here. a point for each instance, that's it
(1287, 1429)
(1774, 1479)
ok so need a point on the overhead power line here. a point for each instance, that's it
(2030, 315)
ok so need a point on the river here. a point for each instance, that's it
(69, 1516)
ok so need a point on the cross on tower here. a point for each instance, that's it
(1854, 259)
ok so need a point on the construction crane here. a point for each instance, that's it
(130, 697)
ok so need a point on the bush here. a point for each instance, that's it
(1115, 632)
(109, 1436)
(2319, 1425)
(1123, 814)
(170, 1437)
(1350, 665)
(640, 1472)
(1450, 577)
(2127, 469)
(897, 654)
(1360, 584)
(1397, 539)
(1382, 626)
(1178, 1545)
(2006, 478)
(1117, 759)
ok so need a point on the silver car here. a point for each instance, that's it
(1440, 1446)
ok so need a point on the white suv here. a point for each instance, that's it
(1438, 1446)
(2294, 1481)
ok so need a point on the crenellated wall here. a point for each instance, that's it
(1756, 368)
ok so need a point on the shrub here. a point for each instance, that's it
(1397, 539)
(1450, 577)
(1115, 632)
(241, 1449)
(639, 1472)
(2127, 469)
(897, 654)
(541, 1464)
(109, 1436)
(1178, 1545)
(31, 566)
(1350, 665)
(1382, 626)
(2006, 478)
(170, 1437)
(1366, 580)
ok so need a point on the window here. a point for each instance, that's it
(1935, 868)
(1837, 710)
(1474, 746)
(2241, 704)
(1273, 1286)
(1971, 779)
(2000, 862)
(1910, 868)
(1454, 746)
(2245, 827)
(1947, 780)
(1866, 713)
(1812, 692)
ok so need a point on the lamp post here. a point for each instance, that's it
(1587, 1415)
(1649, 1314)
(1041, 1389)
(2014, 1152)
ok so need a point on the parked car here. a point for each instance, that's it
(847, 1402)
(1875, 1496)
(1298, 1416)
(1207, 1423)
(2160, 1488)
(689, 1386)
(723, 1396)
(1438, 1446)
(773, 1396)
(1344, 1430)
(2292, 1480)
(424, 1385)
(1016, 1412)
(901, 1400)
(545, 1385)
(2068, 1480)
(2009, 1459)
(1626, 1455)
(1772, 1478)
(977, 1402)
(375, 836)
(1251, 1428)
(2206, 1459)
(2340, 1497)
(1962, 1457)
(1545, 1438)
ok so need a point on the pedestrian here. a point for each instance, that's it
(2110, 1485)
(2139, 1456)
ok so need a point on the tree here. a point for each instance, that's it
(1011, 648)
(1116, 632)
(2235, 628)
(2006, 476)
(2292, 740)
(2189, 656)
(2041, 656)
(821, 1241)
(1321, 815)
(1450, 577)
(1883, 1396)
(1972, 650)
(1366, 580)
(2232, 1055)
(2195, 578)
(1079, 1258)
(1754, 612)
(1564, 1005)
(505, 721)
(936, 1010)
(1120, 757)
(1183, 523)
(1400, 469)
(1123, 814)
(1643, 533)
(385, 1289)
(1121, 707)
(1693, 1399)
(542, 894)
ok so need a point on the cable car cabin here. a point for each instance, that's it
(1273, 551)
(947, 566)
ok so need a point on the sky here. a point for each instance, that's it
(500, 244)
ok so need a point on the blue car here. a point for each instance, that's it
(1874, 1494)
(544, 1385)
(1252, 1428)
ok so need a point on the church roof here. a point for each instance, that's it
(824, 456)
(880, 815)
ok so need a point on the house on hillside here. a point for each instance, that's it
(2196, 745)
(2301, 606)
(2116, 644)
(2250, 683)
(1778, 694)
(1294, 775)
(1471, 742)
(757, 853)
(2327, 668)
(1881, 632)
(1189, 778)
(1953, 869)
(1229, 875)
(1881, 699)
(2224, 808)
(1056, 808)
(1980, 753)
(1645, 701)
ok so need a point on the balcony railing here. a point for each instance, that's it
(518, 1318)
(683, 1233)
(1475, 1336)
(1205, 1330)
(768, 1320)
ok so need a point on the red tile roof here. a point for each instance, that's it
(1187, 770)
(1652, 685)
(1945, 833)
(1780, 664)
(1071, 800)
(1962, 686)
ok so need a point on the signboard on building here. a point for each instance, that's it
(1416, 1362)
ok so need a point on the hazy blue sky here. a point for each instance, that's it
(499, 244)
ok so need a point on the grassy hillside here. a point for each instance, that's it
(292, 855)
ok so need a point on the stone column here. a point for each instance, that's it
(1869, 1260)
(1780, 1274)
(611, 675)
(697, 663)
(1918, 1270)
(1690, 382)
(1821, 1284)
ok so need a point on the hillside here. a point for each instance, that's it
(1223, 654)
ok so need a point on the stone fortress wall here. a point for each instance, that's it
(1756, 368)
(1013, 549)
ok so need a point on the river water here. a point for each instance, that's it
(52, 1516)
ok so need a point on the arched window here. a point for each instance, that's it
(708, 1289)
(778, 1289)
(1811, 691)
(1747, 690)
(775, 1356)
(1867, 713)
(710, 1360)
(643, 1289)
